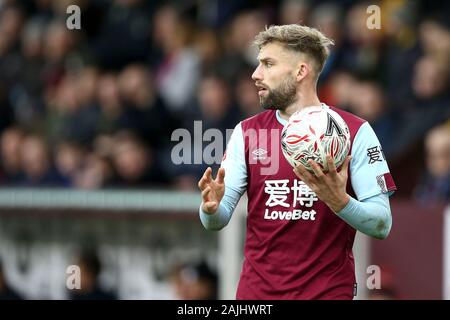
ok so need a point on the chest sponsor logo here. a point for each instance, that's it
(295, 214)
(278, 193)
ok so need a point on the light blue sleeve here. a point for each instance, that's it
(369, 171)
(371, 216)
(235, 182)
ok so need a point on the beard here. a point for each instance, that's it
(280, 97)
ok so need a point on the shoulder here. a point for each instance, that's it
(353, 122)
(349, 117)
(260, 120)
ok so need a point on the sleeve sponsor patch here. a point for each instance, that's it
(386, 183)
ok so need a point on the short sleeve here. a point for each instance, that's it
(234, 162)
(369, 171)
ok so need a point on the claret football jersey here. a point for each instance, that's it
(295, 246)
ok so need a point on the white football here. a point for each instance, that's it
(313, 133)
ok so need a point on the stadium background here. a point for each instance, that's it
(86, 118)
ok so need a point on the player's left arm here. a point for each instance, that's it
(371, 181)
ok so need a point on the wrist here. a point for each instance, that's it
(340, 204)
(209, 210)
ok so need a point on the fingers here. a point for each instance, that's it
(304, 174)
(208, 174)
(220, 175)
(317, 170)
(206, 184)
(331, 166)
(205, 180)
(202, 184)
(346, 163)
(205, 194)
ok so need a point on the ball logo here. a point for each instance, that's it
(312, 134)
(332, 126)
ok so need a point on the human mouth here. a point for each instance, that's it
(261, 90)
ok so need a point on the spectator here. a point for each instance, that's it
(11, 23)
(217, 111)
(95, 173)
(339, 89)
(124, 36)
(11, 142)
(363, 49)
(194, 282)
(368, 102)
(294, 11)
(177, 74)
(58, 45)
(71, 115)
(239, 53)
(68, 160)
(37, 166)
(27, 99)
(435, 185)
(136, 164)
(208, 47)
(144, 111)
(111, 107)
(90, 269)
(327, 17)
(247, 95)
(430, 78)
(136, 65)
(435, 37)
(428, 106)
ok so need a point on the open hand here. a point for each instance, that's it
(330, 187)
(212, 190)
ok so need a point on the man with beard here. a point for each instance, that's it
(300, 225)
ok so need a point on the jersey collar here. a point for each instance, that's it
(283, 122)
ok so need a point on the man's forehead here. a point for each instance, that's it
(270, 50)
(274, 50)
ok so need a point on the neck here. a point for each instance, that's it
(302, 101)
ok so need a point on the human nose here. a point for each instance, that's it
(257, 75)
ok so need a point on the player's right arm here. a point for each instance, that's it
(221, 195)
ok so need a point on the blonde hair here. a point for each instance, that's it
(298, 38)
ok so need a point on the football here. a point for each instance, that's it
(313, 133)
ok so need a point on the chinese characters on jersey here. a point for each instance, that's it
(278, 191)
(375, 154)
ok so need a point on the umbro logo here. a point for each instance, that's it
(259, 154)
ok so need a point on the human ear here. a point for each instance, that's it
(302, 71)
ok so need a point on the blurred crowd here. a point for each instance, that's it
(188, 280)
(96, 107)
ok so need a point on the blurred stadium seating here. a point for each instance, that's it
(86, 119)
